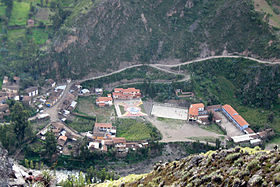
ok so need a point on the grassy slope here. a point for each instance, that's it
(188, 33)
(19, 13)
(224, 90)
(39, 35)
(86, 106)
(134, 130)
(263, 6)
(142, 73)
(2, 10)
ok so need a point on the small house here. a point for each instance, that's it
(104, 101)
(32, 91)
(125, 94)
(62, 140)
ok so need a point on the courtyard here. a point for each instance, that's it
(129, 108)
(168, 111)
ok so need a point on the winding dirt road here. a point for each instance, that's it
(53, 111)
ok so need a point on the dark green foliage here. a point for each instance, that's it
(141, 73)
(50, 145)
(256, 85)
(19, 117)
(148, 31)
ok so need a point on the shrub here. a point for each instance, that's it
(254, 164)
(232, 157)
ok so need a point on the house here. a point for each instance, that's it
(30, 22)
(51, 83)
(85, 91)
(119, 140)
(72, 105)
(4, 110)
(195, 111)
(32, 91)
(104, 129)
(238, 120)
(16, 80)
(26, 100)
(214, 108)
(11, 87)
(249, 131)
(125, 94)
(62, 140)
(5, 80)
(180, 93)
(53, 98)
(104, 101)
(98, 91)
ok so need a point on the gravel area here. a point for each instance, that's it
(169, 112)
(229, 126)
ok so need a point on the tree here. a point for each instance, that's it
(50, 145)
(210, 117)
(270, 118)
(19, 117)
(218, 143)
(31, 164)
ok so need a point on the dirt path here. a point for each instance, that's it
(216, 57)
(171, 135)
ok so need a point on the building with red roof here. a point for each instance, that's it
(125, 94)
(104, 101)
(104, 129)
(238, 120)
(195, 110)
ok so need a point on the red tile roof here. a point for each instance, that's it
(119, 140)
(128, 90)
(193, 111)
(103, 125)
(249, 130)
(230, 110)
(64, 138)
(239, 119)
(104, 99)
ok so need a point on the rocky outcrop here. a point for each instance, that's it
(5, 168)
(233, 167)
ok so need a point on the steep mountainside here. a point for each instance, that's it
(5, 167)
(100, 35)
(234, 167)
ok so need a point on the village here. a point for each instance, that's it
(55, 105)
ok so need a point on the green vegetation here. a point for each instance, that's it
(15, 134)
(142, 73)
(275, 140)
(271, 9)
(19, 13)
(87, 106)
(40, 35)
(214, 128)
(122, 109)
(134, 130)
(166, 30)
(251, 88)
(81, 124)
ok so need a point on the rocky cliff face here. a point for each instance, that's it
(234, 167)
(104, 35)
(5, 168)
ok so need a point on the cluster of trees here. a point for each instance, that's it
(60, 14)
(18, 132)
(143, 73)
(9, 7)
(256, 85)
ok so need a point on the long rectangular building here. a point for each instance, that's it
(238, 120)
